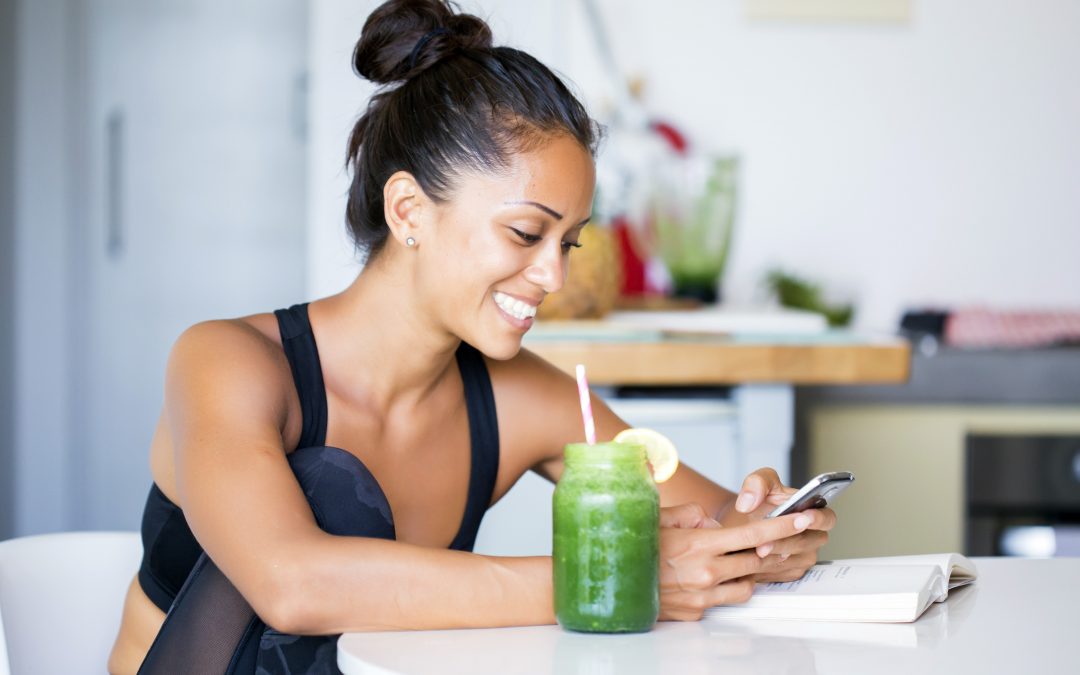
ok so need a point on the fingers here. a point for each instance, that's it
(825, 519)
(697, 576)
(786, 567)
(756, 488)
(691, 605)
(821, 520)
(686, 516)
(779, 495)
(808, 541)
(731, 593)
(743, 537)
(703, 564)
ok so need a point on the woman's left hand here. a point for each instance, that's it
(786, 559)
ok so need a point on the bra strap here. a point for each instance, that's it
(484, 438)
(298, 341)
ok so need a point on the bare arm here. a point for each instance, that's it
(226, 410)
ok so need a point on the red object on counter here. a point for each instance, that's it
(635, 280)
(633, 267)
(673, 136)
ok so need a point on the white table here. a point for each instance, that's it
(1021, 616)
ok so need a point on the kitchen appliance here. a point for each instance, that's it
(1022, 495)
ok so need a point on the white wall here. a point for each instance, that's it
(927, 162)
(335, 99)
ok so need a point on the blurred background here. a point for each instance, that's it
(896, 167)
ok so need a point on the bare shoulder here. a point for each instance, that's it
(244, 342)
(239, 361)
(527, 383)
(536, 404)
(539, 412)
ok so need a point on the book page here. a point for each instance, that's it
(960, 570)
(887, 589)
(836, 579)
(838, 592)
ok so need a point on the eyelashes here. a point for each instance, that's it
(533, 238)
(526, 237)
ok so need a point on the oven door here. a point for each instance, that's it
(1022, 495)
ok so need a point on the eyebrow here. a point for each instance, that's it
(546, 209)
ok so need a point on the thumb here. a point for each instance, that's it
(756, 488)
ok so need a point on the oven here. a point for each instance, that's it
(1022, 495)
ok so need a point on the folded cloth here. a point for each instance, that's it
(983, 328)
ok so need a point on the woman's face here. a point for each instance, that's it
(502, 242)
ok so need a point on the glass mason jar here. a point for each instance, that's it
(606, 553)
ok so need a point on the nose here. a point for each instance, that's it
(548, 268)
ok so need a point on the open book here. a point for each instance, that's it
(896, 589)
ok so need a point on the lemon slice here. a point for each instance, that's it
(659, 450)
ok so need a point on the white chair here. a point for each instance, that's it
(61, 597)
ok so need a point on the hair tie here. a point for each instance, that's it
(422, 42)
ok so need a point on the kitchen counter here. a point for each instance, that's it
(666, 350)
(1048, 376)
(679, 360)
(1019, 617)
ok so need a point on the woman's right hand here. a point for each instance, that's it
(703, 564)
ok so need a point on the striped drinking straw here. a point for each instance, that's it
(586, 405)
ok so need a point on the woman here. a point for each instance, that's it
(334, 460)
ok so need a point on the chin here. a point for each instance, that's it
(500, 345)
(495, 339)
(500, 350)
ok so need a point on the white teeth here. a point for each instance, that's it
(516, 308)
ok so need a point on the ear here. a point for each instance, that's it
(403, 204)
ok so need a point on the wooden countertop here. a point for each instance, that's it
(620, 356)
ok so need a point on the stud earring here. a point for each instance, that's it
(409, 241)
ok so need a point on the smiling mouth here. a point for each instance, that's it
(516, 308)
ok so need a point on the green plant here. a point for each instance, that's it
(798, 293)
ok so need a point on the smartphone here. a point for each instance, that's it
(816, 494)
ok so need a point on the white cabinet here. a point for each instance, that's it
(162, 159)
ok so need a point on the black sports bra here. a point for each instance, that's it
(170, 549)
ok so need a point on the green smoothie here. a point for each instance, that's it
(606, 554)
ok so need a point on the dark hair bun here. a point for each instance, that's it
(451, 103)
(385, 52)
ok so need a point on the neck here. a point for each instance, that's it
(386, 351)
